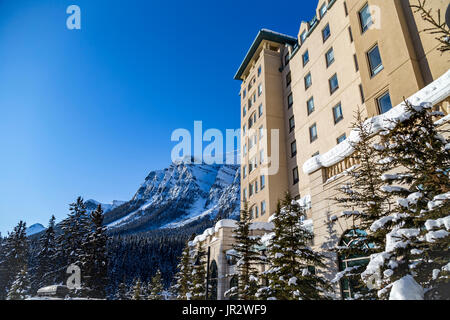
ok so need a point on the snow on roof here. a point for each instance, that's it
(434, 93)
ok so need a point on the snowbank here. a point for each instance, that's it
(406, 289)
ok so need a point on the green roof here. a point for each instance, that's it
(263, 34)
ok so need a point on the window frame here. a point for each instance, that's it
(329, 83)
(295, 179)
(311, 137)
(340, 137)
(290, 103)
(288, 79)
(313, 106)
(291, 127)
(310, 84)
(329, 63)
(325, 38)
(305, 54)
(293, 150)
(367, 26)
(341, 117)
(374, 70)
(386, 93)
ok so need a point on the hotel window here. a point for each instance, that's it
(350, 34)
(291, 124)
(375, 61)
(337, 113)
(295, 175)
(308, 81)
(245, 149)
(329, 57)
(345, 8)
(365, 18)
(256, 186)
(290, 101)
(384, 103)
(305, 58)
(250, 104)
(323, 10)
(254, 97)
(260, 89)
(334, 83)
(260, 110)
(286, 59)
(261, 132)
(293, 149)
(244, 171)
(252, 165)
(313, 133)
(315, 154)
(310, 105)
(244, 93)
(263, 207)
(259, 71)
(252, 120)
(244, 129)
(288, 79)
(361, 92)
(244, 194)
(263, 181)
(355, 58)
(303, 36)
(326, 32)
(261, 156)
(250, 189)
(256, 211)
(341, 138)
(244, 111)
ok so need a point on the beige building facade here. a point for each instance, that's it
(299, 96)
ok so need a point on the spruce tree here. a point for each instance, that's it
(122, 292)
(15, 256)
(46, 256)
(417, 244)
(20, 288)
(292, 274)
(70, 241)
(198, 286)
(136, 290)
(94, 260)
(246, 247)
(156, 287)
(183, 278)
(364, 202)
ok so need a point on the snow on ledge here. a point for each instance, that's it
(434, 93)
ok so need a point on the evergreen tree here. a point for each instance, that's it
(46, 256)
(15, 256)
(136, 290)
(365, 202)
(292, 273)
(246, 247)
(20, 288)
(417, 244)
(122, 292)
(198, 286)
(70, 242)
(183, 278)
(156, 287)
(94, 260)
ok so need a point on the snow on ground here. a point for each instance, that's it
(406, 288)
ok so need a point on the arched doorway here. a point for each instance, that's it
(354, 238)
(214, 275)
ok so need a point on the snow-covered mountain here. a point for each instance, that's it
(35, 228)
(177, 196)
(92, 204)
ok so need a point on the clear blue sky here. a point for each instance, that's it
(90, 112)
